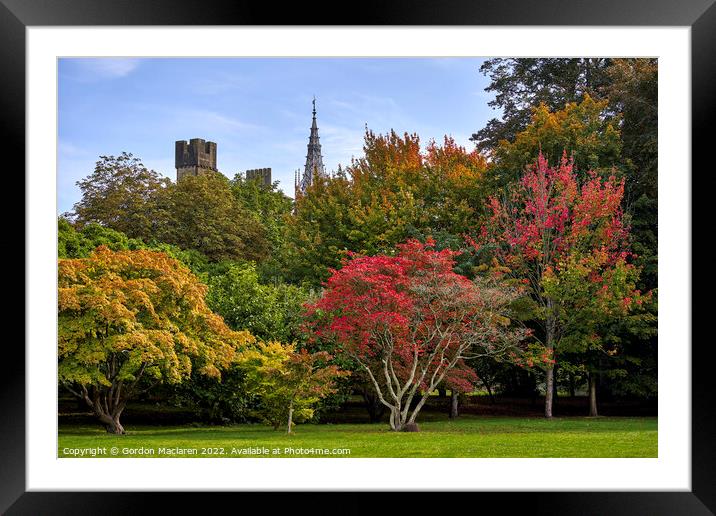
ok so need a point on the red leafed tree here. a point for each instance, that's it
(548, 217)
(409, 322)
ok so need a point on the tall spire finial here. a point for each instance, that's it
(314, 160)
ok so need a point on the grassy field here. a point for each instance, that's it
(468, 436)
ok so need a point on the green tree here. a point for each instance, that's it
(316, 237)
(270, 209)
(270, 312)
(633, 91)
(521, 84)
(74, 243)
(203, 214)
(121, 194)
(128, 320)
(289, 382)
(591, 294)
(218, 402)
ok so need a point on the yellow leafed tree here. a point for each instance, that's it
(128, 320)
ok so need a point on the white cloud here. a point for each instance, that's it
(187, 123)
(340, 144)
(219, 121)
(97, 68)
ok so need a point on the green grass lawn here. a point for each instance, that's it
(468, 436)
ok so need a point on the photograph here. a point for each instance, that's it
(357, 257)
(447, 251)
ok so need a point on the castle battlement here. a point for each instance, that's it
(194, 157)
(264, 174)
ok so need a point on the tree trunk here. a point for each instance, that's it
(549, 372)
(290, 417)
(490, 395)
(115, 427)
(593, 395)
(549, 391)
(572, 385)
(396, 420)
(372, 405)
(454, 402)
(107, 408)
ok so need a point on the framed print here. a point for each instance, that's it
(444, 248)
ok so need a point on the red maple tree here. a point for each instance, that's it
(544, 222)
(410, 322)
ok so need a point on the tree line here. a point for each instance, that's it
(522, 266)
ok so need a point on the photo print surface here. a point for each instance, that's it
(357, 257)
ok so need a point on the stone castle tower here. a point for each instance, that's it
(195, 157)
(262, 174)
(314, 160)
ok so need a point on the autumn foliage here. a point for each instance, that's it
(290, 382)
(559, 199)
(397, 190)
(551, 228)
(549, 214)
(131, 319)
(410, 322)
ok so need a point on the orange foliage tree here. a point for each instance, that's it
(395, 191)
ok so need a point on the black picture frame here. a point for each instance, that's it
(699, 15)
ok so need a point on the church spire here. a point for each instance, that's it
(314, 159)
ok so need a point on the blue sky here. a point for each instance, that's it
(258, 111)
